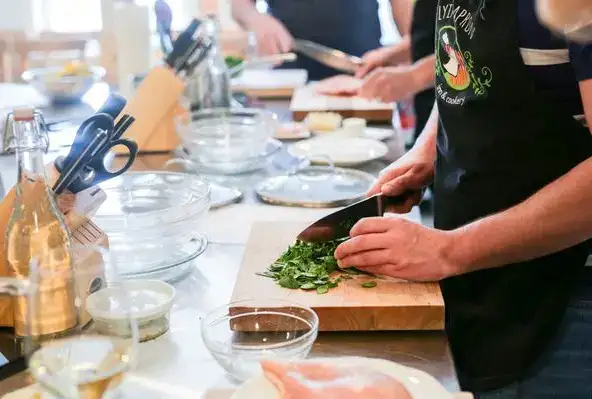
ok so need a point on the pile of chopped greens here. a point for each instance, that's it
(311, 266)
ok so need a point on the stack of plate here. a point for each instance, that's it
(153, 222)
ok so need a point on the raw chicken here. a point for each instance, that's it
(339, 85)
(314, 380)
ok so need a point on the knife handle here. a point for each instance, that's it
(390, 202)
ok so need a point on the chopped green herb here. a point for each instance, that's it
(309, 266)
(308, 286)
(369, 284)
(323, 289)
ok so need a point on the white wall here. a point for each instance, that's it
(16, 15)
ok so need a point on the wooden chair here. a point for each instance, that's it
(8, 64)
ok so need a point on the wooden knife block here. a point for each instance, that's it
(84, 232)
(155, 105)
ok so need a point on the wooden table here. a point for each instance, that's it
(178, 365)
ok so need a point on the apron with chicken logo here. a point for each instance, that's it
(500, 141)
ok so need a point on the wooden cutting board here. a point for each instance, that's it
(391, 305)
(270, 83)
(306, 100)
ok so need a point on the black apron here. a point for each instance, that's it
(351, 26)
(423, 30)
(500, 140)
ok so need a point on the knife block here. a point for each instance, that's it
(83, 232)
(154, 106)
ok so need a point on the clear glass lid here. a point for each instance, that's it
(316, 187)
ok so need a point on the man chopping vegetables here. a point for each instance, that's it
(351, 26)
(511, 164)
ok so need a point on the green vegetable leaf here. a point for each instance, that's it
(323, 289)
(369, 284)
(308, 286)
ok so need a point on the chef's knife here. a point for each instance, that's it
(333, 58)
(338, 224)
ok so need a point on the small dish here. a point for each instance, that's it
(151, 303)
(342, 151)
(240, 334)
(419, 384)
(292, 131)
(379, 133)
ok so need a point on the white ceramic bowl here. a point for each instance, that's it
(150, 306)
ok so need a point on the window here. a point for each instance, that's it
(85, 15)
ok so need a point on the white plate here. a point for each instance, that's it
(379, 133)
(419, 384)
(343, 151)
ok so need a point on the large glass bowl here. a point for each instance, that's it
(225, 135)
(241, 334)
(153, 221)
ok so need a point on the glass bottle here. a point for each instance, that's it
(210, 86)
(36, 232)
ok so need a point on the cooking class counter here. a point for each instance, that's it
(179, 365)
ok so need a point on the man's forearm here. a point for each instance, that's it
(424, 72)
(402, 14)
(557, 217)
(242, 10)
(426, 142)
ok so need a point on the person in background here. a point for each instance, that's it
(351, 26)
(406, 69)
(511, 162)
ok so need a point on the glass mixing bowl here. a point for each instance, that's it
(225, 135)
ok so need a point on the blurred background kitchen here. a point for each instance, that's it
(40, 33)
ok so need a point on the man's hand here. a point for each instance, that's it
(272, 35)
(390, 84)
(376, 58)
(409, 175)
(397, 247)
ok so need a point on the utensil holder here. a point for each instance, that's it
(155, 105)
(84, 233)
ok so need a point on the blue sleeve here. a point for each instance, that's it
(580, 56)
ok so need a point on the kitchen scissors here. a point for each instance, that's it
(84, 166)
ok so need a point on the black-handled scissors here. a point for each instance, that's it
(84, 166)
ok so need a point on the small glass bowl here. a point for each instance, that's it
(226, 134)
(241, 334)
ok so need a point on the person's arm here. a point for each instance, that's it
(243, 11)
(398, 83)
(402, 15)
(558, 216)
(272, 35)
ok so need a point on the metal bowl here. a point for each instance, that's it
(62, 89)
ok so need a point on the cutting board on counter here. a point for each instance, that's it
(391, 305)
(306, 100)
(270, 83)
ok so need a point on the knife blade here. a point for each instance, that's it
(333, 58)
(338, 224)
